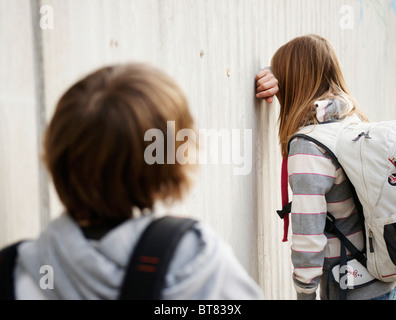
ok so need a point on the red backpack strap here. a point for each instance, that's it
(285, 198)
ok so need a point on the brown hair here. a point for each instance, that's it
(94, 145)
(308, 70)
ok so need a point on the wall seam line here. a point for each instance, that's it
(39, 80)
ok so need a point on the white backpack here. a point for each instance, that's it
(367, 153)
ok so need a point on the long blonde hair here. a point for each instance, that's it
(308, 70)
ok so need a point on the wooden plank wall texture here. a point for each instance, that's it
(214, 50)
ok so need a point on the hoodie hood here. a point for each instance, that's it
(83, 268)
(330, 110)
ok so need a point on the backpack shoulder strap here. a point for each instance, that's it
(149, 262)
(332, 227)
(287, 206)
(317, 142)
(8, 257)
(359, 255)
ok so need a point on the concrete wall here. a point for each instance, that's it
(213, 48)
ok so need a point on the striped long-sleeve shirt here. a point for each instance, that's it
(320, 186)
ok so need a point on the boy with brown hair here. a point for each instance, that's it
(94, 150)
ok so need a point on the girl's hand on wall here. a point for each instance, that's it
(266, 85)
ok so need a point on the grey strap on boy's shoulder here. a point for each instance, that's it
(149, 262)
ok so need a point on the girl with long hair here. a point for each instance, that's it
(307, 79)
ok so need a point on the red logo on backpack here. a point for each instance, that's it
(392, 179)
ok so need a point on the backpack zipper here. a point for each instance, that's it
(371, 241)
(372, 250)
(361, 154)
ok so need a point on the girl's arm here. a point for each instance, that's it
(311, 176)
